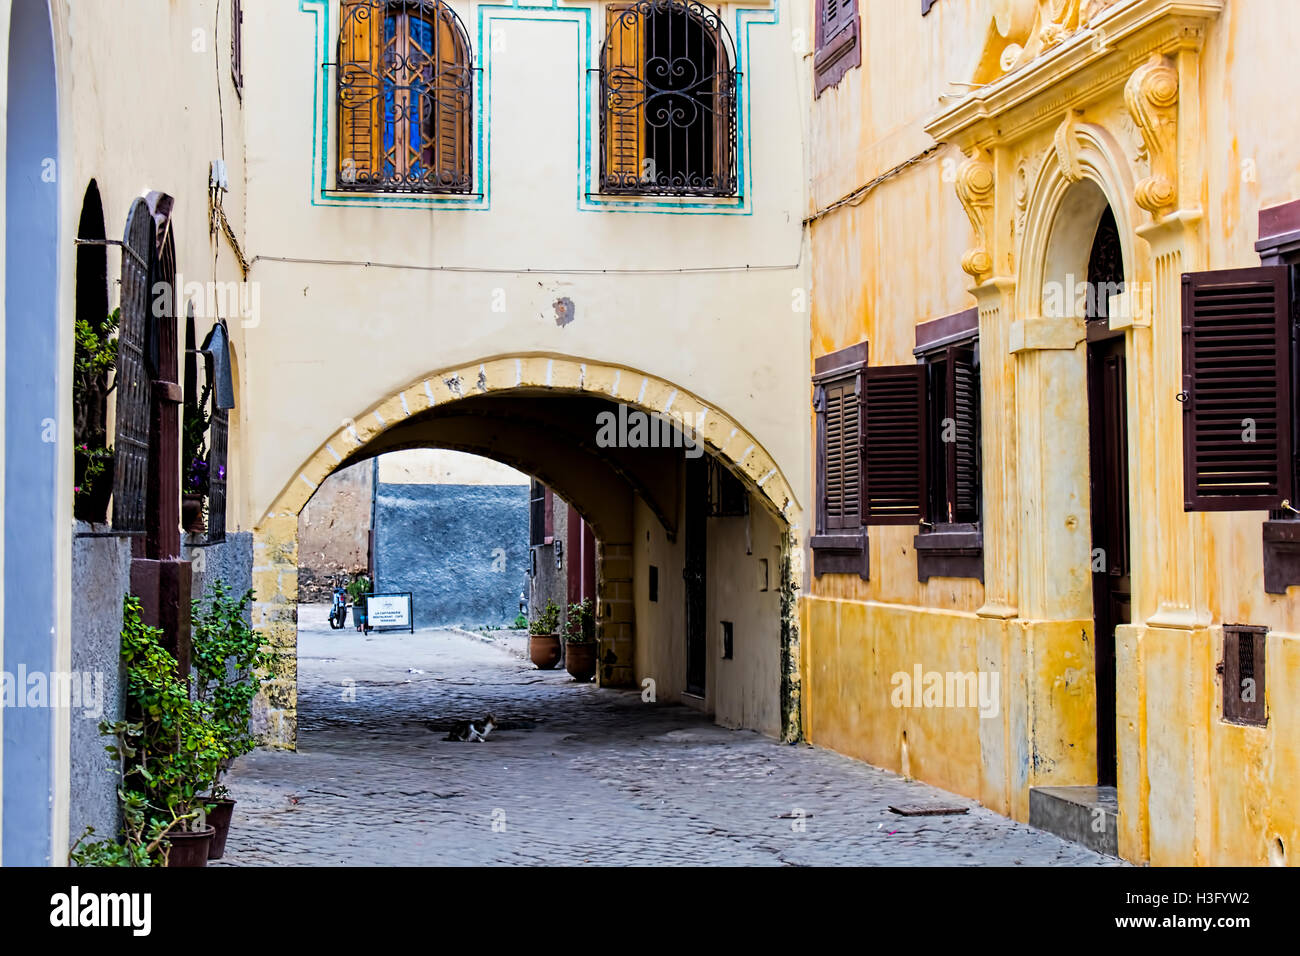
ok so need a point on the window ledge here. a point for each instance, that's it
(843, 553)
(1281, 555)
(950, 551)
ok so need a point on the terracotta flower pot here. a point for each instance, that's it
(580, 660)
(192, 513)
(544, 650)
(219, 819)
(190, 847)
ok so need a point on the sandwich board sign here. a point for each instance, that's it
(390, 611)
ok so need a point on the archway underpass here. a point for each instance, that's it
(689, 563)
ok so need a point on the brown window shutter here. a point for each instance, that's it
(451, 101)
(842, 466)
(624, 55)
(1236, 389)
(360, 103)
(838, 47)
(724, 116)
(966, 447)
(895, 445)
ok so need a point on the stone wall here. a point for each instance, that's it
(101, 577)
(230, 561)
(462, 550)
(334, 531)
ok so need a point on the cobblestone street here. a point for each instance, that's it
(574, 775)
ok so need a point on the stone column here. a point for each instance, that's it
(615, 615)
(275, 616)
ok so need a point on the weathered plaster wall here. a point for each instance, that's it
(744, 691)
(472, 284)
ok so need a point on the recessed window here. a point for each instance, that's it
(1243, 674)
(728, 630)
(654, 583)
(405, 98)
(668, 101)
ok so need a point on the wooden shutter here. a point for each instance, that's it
(1236, 389)
(895, 445)
(624, 107)
(836, 16)
(724, 106)
(237, 45)
(451, 102)
(841, 403)
(360, 101)
(966, 448)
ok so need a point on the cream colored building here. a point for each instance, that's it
(542, 276)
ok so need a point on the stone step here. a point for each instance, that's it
(1084, 815)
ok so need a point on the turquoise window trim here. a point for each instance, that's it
(590, 42)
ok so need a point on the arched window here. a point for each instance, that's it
(405, 98)
(131, 437)
(668, 101)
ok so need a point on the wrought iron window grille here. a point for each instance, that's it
(668, 91)
(405, 97)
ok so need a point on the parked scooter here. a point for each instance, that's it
(339, 607)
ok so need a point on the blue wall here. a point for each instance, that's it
(32, 383)
(461, 549)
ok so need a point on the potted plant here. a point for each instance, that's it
(166, 751)
(580, 641)
(196, 490)
(544, 637)
(357, 590)
(194, 435)
(94, 356)
(228, 666)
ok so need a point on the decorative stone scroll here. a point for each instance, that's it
(975, 190)
(1151, 95)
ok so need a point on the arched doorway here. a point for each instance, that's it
(1108, 483)
(1086, 261)
(543, 416)
(34, 503)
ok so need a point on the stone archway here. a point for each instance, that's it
(382, 427)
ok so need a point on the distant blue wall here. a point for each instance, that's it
(32, 383)
(441, 543)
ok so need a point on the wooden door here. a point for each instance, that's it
(1111, 591)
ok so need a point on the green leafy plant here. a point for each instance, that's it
(521, 622)
(547, 622)
(94, 357)
(229, 666)
(167, 752)
(358, 587)
(580, 625)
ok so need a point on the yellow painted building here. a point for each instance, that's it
(1006, 197)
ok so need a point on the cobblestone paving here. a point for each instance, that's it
(575, 775)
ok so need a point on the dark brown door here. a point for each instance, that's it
(1108, 428)
(697, 502)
